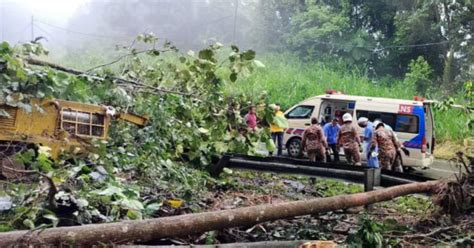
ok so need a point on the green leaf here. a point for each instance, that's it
(134, 214)
(234, 48)
(206, 54)
(281, 121)
(54, 220)
(258, 63)
(82, 203)
(5, 228)
(221, 147)
(152, 208)
(227, 171)
(4, 47)
(217, 45)
(270, 145)
(4, 113)
(155, 52)
(248, 55)
(110, 190)
(131, 204)
(233, 77)
(29, 223)
(203, 130)
(24, 106)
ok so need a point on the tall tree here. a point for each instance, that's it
(323, 29)
(442, 28)
(386, 35)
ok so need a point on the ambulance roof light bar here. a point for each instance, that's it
(334, 92)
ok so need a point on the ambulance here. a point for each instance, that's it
(411, 120)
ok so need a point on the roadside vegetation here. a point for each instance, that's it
(288, 80)
(161, 170)
(196, 101)
(139, 169)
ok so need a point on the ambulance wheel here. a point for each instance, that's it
(294, 148)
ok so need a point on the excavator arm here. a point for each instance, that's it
(138, 120)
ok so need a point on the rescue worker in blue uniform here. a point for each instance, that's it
(368, 127)
(331, 129)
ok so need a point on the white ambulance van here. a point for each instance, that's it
(412, 121)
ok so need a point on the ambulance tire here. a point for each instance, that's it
(294, 148)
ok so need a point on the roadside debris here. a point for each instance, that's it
(5, 203)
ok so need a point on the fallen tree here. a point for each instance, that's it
(152, 229)
(135, 83)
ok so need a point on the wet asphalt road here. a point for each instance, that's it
(439, 169)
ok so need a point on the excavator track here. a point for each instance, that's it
(285, 165)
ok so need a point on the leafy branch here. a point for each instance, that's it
(117, 79)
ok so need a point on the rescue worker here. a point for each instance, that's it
(314, 142)
(277, 127)
(368, 127)
(331, 129)
(397, 164)
(387, 145)
(349, 140)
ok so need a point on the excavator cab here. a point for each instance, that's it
(63, 126)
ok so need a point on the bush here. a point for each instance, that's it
(288, 80)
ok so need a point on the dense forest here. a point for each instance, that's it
(381, 38)
(194, 68)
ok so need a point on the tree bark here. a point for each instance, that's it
(175, 226)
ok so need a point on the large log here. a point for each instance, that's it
(152, 229)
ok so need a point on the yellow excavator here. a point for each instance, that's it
(62, 126)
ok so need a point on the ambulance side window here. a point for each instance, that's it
(407, 124)
(300, 112)
(387, 118)
(399, 122)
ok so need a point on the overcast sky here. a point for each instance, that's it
(15, 16)
(71, 25)
(51, 10)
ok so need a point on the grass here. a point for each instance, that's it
(330, 187)
(415, 204)
(447, 149)
(288, 81)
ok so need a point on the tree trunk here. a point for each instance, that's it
(176, 226)
(448, 70)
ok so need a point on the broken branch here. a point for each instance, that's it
(53, 190)
(118, 59)
(432, 233)
(117, 79)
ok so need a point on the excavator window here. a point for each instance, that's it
(7, 116)
(83, 123)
